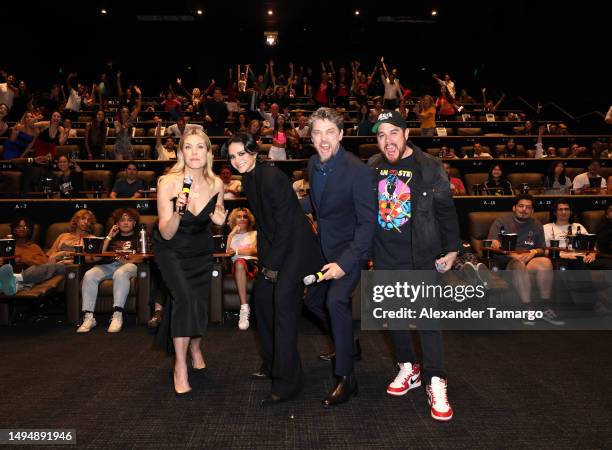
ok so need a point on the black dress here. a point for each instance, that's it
(185, 262)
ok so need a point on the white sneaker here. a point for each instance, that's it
(551, 317)
(116, 322)
(243, 321)
(88, 323)
(438, 400)
(408, 377)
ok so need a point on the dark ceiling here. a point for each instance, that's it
(520, 46)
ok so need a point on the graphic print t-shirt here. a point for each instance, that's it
(392, 239)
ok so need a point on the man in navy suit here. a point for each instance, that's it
(344, 206)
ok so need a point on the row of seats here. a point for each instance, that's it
(223, 292)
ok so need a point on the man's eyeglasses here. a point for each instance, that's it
(242, 216)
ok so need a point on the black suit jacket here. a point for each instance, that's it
(285, 240)
(347, 213)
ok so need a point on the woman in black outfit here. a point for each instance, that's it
(183, 247)
(287, 250)
(70, 179)
(497, 183)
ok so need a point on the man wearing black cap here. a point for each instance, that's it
(417, 230)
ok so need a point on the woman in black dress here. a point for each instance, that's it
(288, 251)
(183, 248)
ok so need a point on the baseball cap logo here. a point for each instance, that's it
(384, 115)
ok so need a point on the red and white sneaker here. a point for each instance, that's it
(408, 377)
(438, 400)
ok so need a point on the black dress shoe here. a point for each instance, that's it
(271, 400)
(327, 356)
(346, 387)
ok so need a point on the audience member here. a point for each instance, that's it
(181, 127)
(242, 245)
(530, 244)
(457, 187)
(497, 183)
(81, 225)
(124, 128)
(70, 179)
(121, 268)
(231, 188)
(129, 186)
(167, 151)
(590, 181)
(96, 133)
(556, 178)
(425, 109)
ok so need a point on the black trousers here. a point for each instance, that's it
(431, 346)
(277, 307)
(334, 297)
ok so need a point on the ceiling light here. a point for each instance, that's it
(103, 11)
(357, 12)
(270, 12)
(200, 12)
(434, 13)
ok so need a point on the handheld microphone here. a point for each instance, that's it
(186, 189)
(311, 279)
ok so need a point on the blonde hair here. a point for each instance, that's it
(179, 166)
(78, 215)
(231, 220)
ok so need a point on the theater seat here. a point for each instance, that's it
(592, 220)
(10, 183)
(480, 222)
(137, 301)
(142, 151)
(66, 150)
(533, 179)
(474, 178)
(367, 150)
(94, 179)
(231, 301)
(469, 131)
(571, 172)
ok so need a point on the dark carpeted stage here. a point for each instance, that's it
(518, 390)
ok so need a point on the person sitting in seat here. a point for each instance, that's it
(231, 188)
(530, 244)
(457, 187)
(477, 151)
(562, 228)
(556, 179)
(591, 181)
(122, 240)
(497, 183)
(38, 266)
(81, 226)
(242, 245)
(130, 186)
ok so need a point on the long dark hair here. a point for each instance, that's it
(502, 178)
(550, 178)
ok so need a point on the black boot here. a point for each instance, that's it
(347, 386)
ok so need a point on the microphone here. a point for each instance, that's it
(311, 279)
(186, 189)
